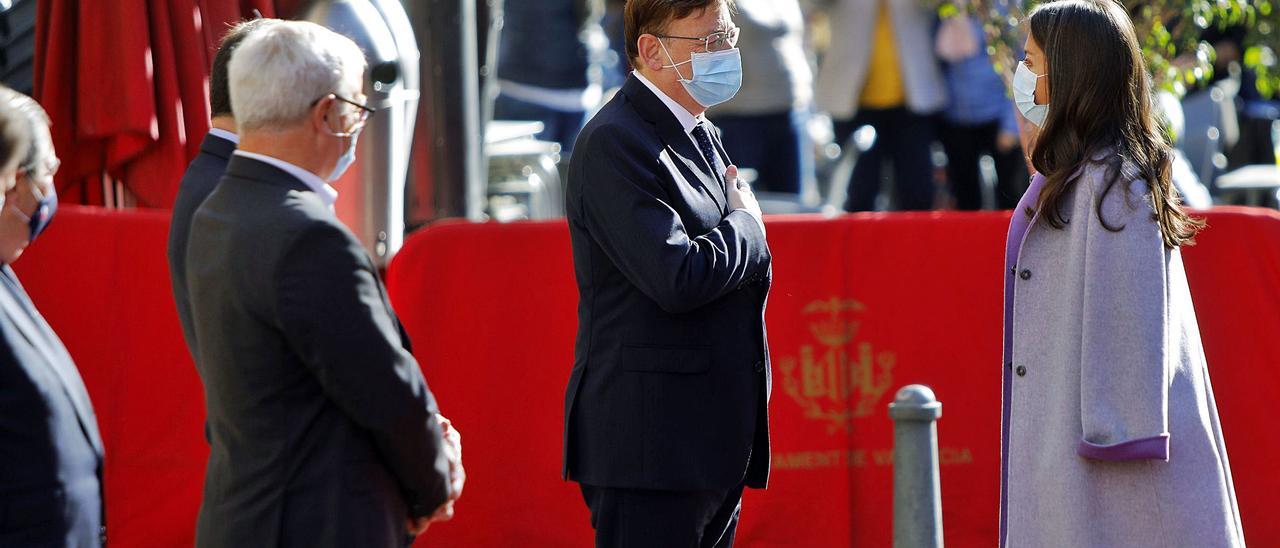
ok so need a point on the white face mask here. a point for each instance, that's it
(716, 78)
(348, 157)
(1024, 95)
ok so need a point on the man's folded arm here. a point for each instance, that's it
(629, 215)
(331, 311)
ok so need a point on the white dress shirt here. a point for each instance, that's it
(688, 121)
(327, 193)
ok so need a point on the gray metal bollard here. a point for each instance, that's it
(917, 493)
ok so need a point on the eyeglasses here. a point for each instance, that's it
(34, 176)
(364, 113)
(717, 41)
(365, 110)
(40, 171)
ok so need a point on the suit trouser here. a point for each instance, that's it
(902, 137)
(645, 518)
(965, 145)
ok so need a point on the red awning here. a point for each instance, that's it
(126, 84)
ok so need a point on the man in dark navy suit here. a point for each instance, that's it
(666, 409)
(50, 450)
(203, 173)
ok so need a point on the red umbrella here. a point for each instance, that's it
(126, 84)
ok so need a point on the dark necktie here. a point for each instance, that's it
(704, 145)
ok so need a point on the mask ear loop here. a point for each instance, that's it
(342, 134)
(674, 64)
(1037, 80)
(26, 219)
(345, 134)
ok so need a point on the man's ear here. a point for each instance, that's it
(650, 50)
(319, 112)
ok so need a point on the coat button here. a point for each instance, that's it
(1021, 371)
(1025, 275)
(760, 367)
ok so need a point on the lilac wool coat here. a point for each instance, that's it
(1110, 434)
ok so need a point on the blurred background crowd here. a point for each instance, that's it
(875, 105)
(846, 105)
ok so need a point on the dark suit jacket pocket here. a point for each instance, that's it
(666, 359)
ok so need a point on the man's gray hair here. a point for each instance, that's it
(15, 138)
(40, 142)
(279, 71)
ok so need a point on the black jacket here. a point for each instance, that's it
(670, 380)
(198, 181)
(50, 449)
(321, 426)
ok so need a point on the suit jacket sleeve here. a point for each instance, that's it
(630, 216)
(1124, 392)
(332, 313)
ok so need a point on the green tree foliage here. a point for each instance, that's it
(1170, 32)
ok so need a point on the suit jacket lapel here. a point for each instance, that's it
(29, 323)
(696, 163)
(692, 163)
(724, 154)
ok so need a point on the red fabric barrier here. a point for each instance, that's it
(102, 281)
(861, 305)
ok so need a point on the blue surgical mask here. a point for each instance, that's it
(347, 158)
(44, 213)
(1024, 95)
(717, 75)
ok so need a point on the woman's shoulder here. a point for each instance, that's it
(1114, 193)
(1108, 178)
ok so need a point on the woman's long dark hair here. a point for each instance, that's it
(1099, 98)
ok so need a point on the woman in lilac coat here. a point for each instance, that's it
(1110, 433)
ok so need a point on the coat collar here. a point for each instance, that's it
(217, 146)
(652, 109)
(313, 182)
(686, 119)
(244, 167)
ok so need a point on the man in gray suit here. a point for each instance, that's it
(322, 429)
(204, 172)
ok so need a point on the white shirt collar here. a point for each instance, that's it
(224, 134)
(687, 120)
(327, 193)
